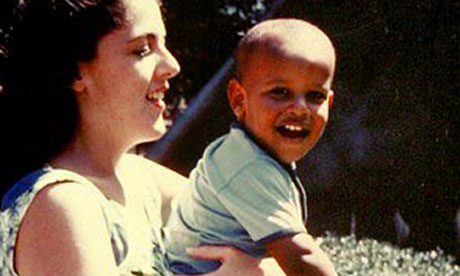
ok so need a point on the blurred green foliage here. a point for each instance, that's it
(202, 35)
(366, 257)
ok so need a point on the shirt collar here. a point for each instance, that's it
(238, 125)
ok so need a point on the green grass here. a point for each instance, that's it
(367, 257)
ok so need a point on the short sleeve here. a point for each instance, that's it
(264, 201)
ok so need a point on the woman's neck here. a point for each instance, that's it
(96, 159)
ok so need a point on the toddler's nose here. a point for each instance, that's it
(299, 108)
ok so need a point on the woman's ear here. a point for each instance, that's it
(78, 85)
(236, 97)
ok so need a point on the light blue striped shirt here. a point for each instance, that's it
(238, 195)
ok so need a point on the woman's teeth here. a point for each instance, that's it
(153, 96)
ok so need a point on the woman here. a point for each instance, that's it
(84, 81)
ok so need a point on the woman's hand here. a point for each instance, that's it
(235, 262)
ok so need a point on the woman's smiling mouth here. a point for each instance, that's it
(155, 95)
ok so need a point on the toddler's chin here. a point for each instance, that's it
(289, 157)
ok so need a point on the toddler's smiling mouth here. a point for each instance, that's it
(292, 131)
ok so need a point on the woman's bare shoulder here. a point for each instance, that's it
(64, 228)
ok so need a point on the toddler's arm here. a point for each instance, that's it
(299, 255)
(235, 262)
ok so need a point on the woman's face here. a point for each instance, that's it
(123, 86)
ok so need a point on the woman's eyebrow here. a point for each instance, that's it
(141, 37)
(148, 37)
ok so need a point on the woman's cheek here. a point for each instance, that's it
(146, 66)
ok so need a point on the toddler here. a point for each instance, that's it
(244, 190)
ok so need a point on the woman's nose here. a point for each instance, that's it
(168, 67)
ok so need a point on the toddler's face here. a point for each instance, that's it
(287, 100)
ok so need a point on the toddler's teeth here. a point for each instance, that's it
(293, 128)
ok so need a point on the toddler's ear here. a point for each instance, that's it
(330, 98)
(236, 96)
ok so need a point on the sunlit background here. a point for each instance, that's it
(387, 165)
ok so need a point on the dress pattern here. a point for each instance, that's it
(147, 260)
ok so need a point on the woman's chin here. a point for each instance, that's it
(158, 131)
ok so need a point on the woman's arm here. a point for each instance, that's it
(64, 233)
(169, 182)
(169, 189)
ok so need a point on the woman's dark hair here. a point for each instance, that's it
(41, 44)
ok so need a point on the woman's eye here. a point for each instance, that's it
(316, 96)
(279, 93)
(144, 51)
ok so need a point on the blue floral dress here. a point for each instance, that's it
(145, 256)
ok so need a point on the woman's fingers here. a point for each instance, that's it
(234, 261)
(209, 252)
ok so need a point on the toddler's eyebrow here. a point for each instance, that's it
(276, 81)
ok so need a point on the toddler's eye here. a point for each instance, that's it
(315, 96)
(280, 93)
(144, 51)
